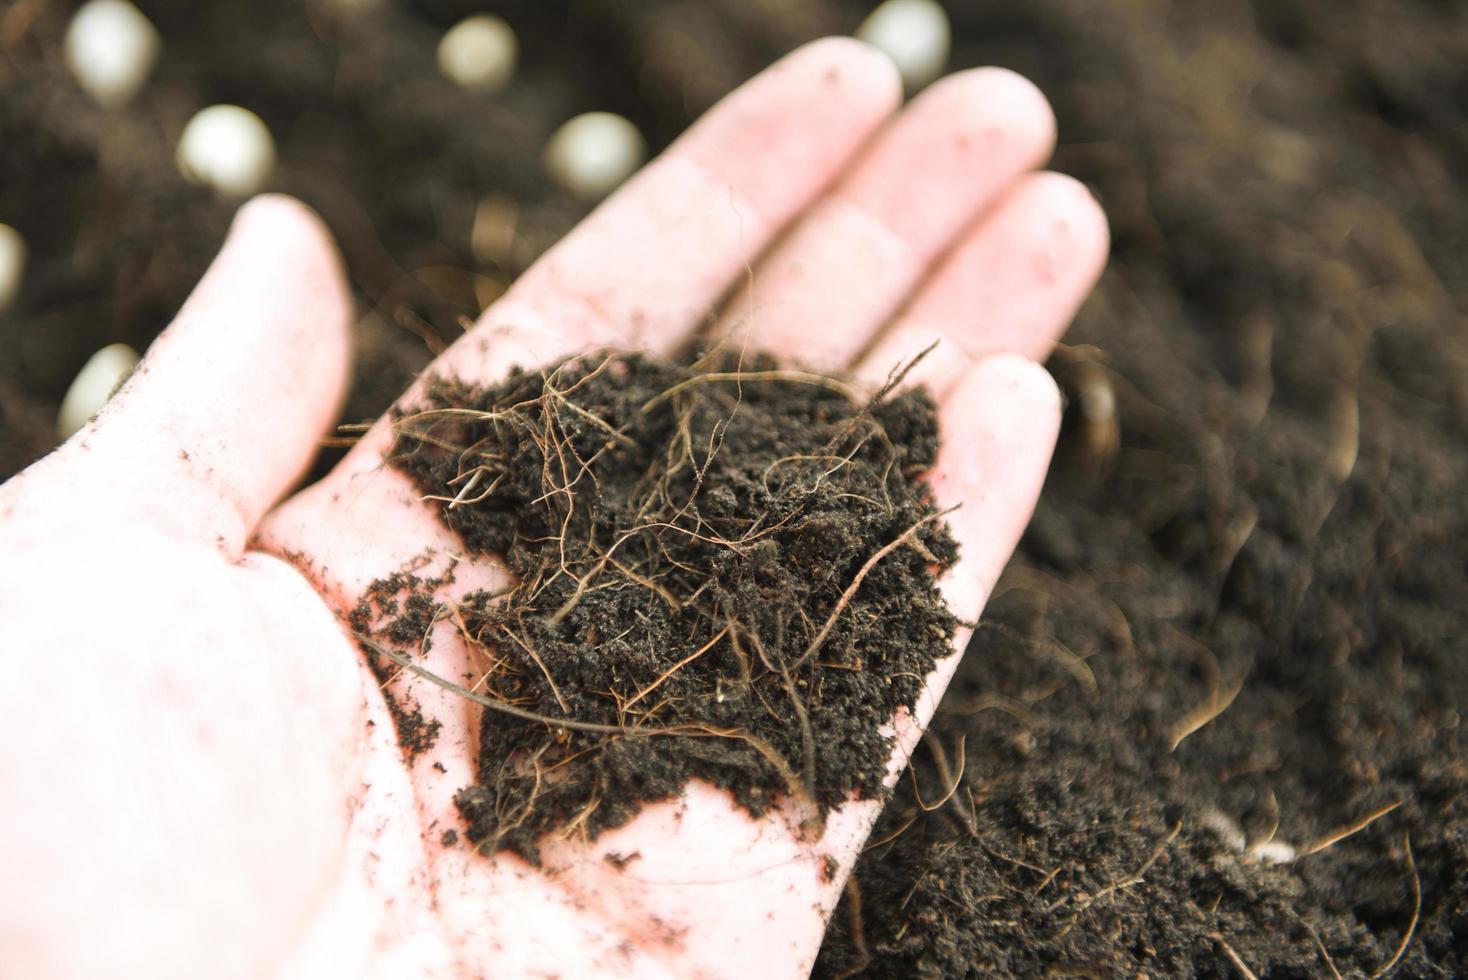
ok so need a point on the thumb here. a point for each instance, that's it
(225, 412)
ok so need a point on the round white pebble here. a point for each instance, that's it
(1273, 852)
(227, 148)
(1225, 827)
(479, 52)
(593, 153)
(102, 375)
(110, 47)
(914, 34)
(12, 264)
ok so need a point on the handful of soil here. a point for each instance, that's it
(725, 570)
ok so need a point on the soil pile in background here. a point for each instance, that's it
(1262, 473)
(722, 571)
(1256, 522)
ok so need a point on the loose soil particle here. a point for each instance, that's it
(724, 571)
(399, 610)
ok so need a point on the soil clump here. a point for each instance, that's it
(723, 571)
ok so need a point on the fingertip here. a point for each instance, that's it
(1024, 387)
(282, 210)
(1000, 419)
(1000, 422)
(278, 222)
(1023, 97)
(854, 67)
(839, 89)
(1006, 104)
(1061, 241)
(1074, 215)
(286, 241)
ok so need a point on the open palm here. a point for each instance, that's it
(201, 776)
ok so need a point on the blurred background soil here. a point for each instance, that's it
(1255, 519)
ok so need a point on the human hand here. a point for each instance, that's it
(203, 778)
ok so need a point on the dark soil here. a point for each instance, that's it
(400, 610)
(1276, 496)
(723, 571)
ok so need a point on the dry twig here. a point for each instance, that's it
(1233, 957)
(1341, 833)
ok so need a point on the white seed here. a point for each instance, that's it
(914, 34)
(479, 52)
(227, 148)
(1273, 852)
(12, 264)
(593, 153)
(102, 375)
(1225, 827)
(110, 47)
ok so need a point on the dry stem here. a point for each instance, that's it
(1341, 833)
(1391, 964)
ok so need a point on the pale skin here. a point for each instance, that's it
(200, 777)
